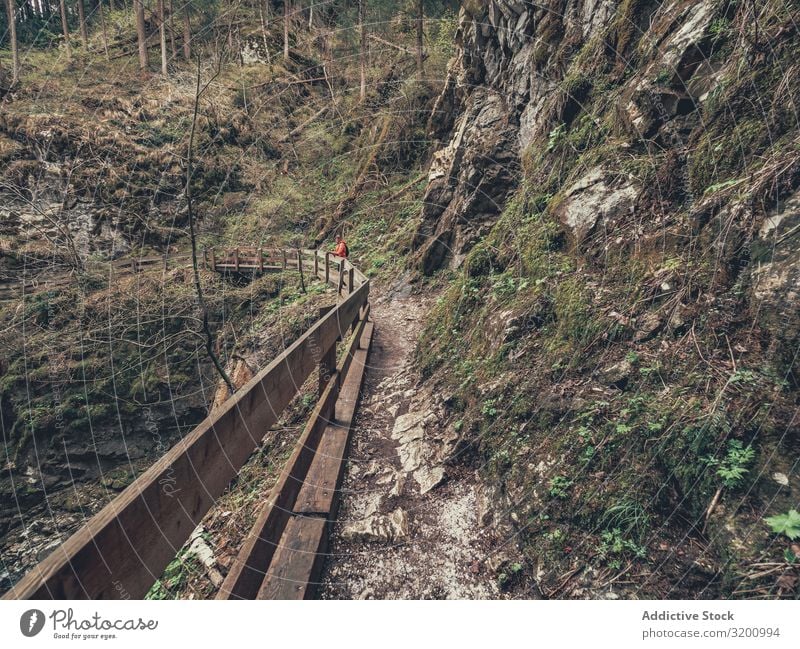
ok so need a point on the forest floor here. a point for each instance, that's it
(409, 525)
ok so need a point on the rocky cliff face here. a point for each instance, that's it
(642, 72)
(619, 183)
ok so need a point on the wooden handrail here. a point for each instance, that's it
(248, 570)
(126, 546)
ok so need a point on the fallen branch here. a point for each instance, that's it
(300, 128)
(390, 44)
(710, 509)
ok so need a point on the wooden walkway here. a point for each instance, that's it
(132, 539)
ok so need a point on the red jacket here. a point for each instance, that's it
(341, 249)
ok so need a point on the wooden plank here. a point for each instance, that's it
(320, 491)
(251, 564)
(297, 561)
(321, 485)
(131, 540)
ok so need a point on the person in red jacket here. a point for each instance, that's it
(341, 249)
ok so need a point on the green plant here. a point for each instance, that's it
(559, 486)
(787, 524)
(663, 77)
(628, 516)
(614, 547)
(719, 29)
(556, 136)
(632, 357)
(623, 429)
(488, 409)
(735, 465)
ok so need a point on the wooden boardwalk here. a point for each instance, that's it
(133, 538)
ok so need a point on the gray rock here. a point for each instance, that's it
(428, 478)
(593, 198)
(618, 373)
(380, 528)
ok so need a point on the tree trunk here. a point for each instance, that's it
(103, 27)
(65, 28)
(82, 21)
(420, 35)
(162, 31)
(187, 33)
(12, 23)
(263, 9)
(141, 36)
(286, 30)
(362, 10)
(173, 51)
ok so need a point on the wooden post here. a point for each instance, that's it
(356, 322)
(316, 264)
(341, 278)
(327, 364)
(213, 259)
(300, 270)
(261, 260)
(351, 279)
(327, 267)
(283, 253)
(236, 259)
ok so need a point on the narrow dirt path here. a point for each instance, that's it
(408, 526)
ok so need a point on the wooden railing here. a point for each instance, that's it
(45, 281)
(324, 265)
(125, 547)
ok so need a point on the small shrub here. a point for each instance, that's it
(787, 524)
(559, 486)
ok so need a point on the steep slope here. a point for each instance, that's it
(616, 189)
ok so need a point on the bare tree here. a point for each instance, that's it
(12, 23)
(362, 10)
(82, 21)
(162, 31)
(141, 35)
(192, 236)
(65, 28)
